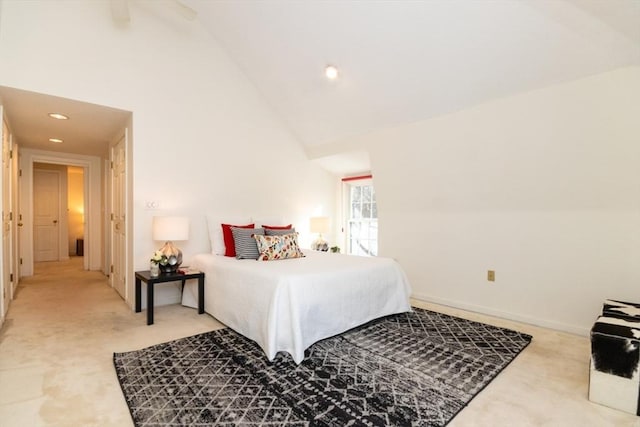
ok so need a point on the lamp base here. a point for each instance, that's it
(174, 258)
(320, 245)
(168, 269)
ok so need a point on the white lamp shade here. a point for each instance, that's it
(319, 224)
(170, 228)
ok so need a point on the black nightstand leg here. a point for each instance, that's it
(150, 303)
(201, 294)
(138, 295)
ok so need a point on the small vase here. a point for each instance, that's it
(154, 270)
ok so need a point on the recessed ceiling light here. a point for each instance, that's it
(331, 72)
(56, 140)
(58, 116)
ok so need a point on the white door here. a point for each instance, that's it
(5, 251)
(46, 214)
(118, 219)
(7, 277)
(16, 217)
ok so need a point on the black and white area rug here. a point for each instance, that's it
(411, 369)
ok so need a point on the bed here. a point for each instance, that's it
(288, 305)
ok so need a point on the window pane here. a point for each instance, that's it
(366, 194)
(366, 210)
(355, 194)
(356, 213)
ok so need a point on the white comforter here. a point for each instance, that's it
(287, 305)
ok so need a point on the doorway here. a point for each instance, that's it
(58, 212)
(93, 224)
(82, 136)
(75, 210)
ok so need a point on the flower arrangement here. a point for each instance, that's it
(159, 258)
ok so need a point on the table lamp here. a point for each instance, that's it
(319, 224)
(170, 228)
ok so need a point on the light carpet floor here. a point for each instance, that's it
(57, 344)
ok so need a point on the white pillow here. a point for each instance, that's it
(215, 231)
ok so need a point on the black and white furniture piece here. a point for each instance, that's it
(614, 377)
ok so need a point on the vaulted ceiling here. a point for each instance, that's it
(399, 61)
(402, 61)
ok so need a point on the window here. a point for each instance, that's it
(362, 220)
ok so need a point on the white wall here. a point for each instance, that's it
(542, 187)
(204, 141)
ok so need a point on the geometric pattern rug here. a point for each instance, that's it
(412, 369)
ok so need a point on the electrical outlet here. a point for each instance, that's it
(152, 205)
(491, 275)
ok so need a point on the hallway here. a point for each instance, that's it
(57, 345)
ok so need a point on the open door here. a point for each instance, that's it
(4, 269)
(6, 275)
(118, 218)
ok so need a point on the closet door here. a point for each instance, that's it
(118, 218)
(5, 250)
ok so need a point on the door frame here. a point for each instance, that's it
(92, 204)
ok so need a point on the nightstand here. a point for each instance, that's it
(145, 276)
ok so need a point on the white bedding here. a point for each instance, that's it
(287, 305)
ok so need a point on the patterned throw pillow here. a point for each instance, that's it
(245, 245)
(278, 247)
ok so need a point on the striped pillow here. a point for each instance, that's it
(278, 231)
(245, 245)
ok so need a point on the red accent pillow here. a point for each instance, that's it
(277, 227)
(227, 235)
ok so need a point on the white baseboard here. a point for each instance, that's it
(545, 323)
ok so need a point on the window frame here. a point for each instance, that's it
(348, 220)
